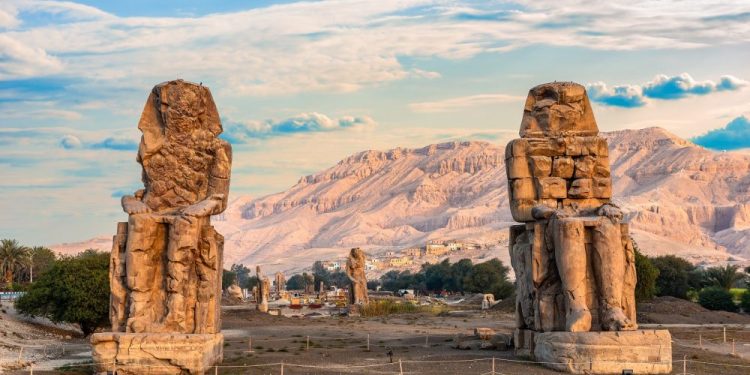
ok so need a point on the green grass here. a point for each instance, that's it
(737, 294)
(388, 307)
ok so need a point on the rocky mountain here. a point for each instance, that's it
(680, 198)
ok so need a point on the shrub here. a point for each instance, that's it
(716, 298)
(73, 290)
(387, 307)
(673, 276)
(646, 272)
(745, 301)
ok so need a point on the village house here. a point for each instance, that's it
(414, 252)
(332, 265)
(402, 261)
(432, 249)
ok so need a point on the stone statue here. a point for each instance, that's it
(573, 258)
(355, 269)
(166, 261)
(322, 291)
(264, 291)
(309, 283)
(280, 283)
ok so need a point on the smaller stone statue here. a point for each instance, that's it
(280, 284)
(355, 269)
(264, 287)
(322, 291)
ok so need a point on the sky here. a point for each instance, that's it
(301, 85)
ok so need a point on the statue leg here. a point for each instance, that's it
(206, 271)
(609, 269)
(139, 271)
(183, 241)
(570, 255)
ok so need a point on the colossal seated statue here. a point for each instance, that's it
(573, 257)
(166, 261)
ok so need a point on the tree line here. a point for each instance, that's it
(73, 289)
(715, 288)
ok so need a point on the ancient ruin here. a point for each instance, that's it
(264, 291)
(355, 269)
(573, 256)
(280, 282)
(166, 261)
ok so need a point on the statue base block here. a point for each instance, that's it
(156, 353)
(643, 351)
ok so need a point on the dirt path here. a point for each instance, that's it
(421, 342)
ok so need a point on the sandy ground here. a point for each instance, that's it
(337, 344)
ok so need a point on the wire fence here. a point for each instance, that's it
(732, 342)
(479, 366)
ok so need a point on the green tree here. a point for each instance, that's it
(14, 258)
(42, 259)
(320, 273)
(74, 290)
(459, 272)
(250, 282)
(716, 298)
(724, 276)
(646, 273)
(339, 279)
(437, 276)
(296, 282)
(673, 276)
(227, 279)
(242, 273)
(745, 301)
(373, 284)
(490, 277)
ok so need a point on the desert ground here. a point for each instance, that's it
(422, 342)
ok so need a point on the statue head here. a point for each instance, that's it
(558, 109)
(177, 109)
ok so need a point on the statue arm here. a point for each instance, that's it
(218, 182)
(218, 185)
(132, 204)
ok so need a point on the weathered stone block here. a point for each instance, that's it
(602, 188)
(580, 188)
(523, 188)
(541, 166)
(551, 187)
(516, 147)
(563, 167)
(517, 167)
(523, 340)
(601, 167)
(583, 204)
(584, 167)
(546, 146)
(602, 148)
(484, 333)
(156, 353)
(520, 209)
(644, 352)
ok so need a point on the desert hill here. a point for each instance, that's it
(680, 198)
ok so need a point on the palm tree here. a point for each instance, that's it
(724, 277)
(13, 258)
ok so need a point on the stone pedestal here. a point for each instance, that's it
(156, 353)
(643, 351)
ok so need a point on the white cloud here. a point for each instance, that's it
(312, 122)
(70, 142)
(662, 87)
(21, 60)
(346, 45)
(456, 104)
